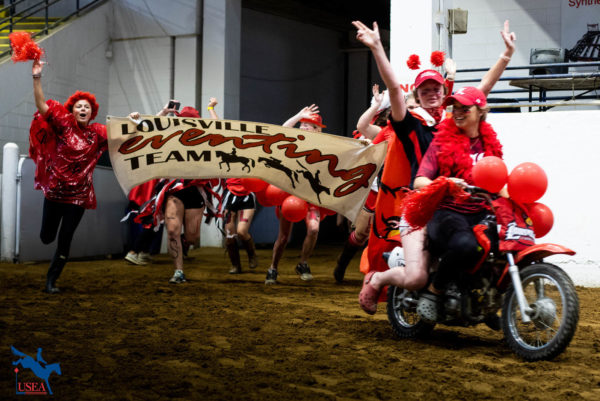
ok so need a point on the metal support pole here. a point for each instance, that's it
(518, 286)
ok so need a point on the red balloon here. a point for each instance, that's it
(263, 198)
(294, 209)
(254, 184)
(490, 173)
(275, 195)
(527, 183)
(542, 218)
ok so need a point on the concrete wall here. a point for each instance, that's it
(154, 58)
(64, 74)
(100, 233)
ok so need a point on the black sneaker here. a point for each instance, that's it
(304, 271)
(271, 276)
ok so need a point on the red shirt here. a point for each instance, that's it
(235, 186)
(65, 155)
(429, 168)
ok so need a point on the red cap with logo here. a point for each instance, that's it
(468, 96)
(188, 111)
(426, 75)
(315, 119)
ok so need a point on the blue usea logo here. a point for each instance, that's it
(39, 367)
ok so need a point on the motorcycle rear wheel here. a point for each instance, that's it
(551, 293)
(402, 314)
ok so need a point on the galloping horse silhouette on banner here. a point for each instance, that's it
(313, 180)
(272, 162)
(43, 372)
(232, 157)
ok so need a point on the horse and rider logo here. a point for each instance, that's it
(39, 367)
(271, 162)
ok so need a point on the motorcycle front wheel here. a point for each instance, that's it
(551, 294)
(402, 313)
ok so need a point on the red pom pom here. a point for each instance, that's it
(24, 47)
(437, 58)
(413, 62)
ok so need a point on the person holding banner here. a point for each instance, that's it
(65, 147)
(310, 121)
(414, 132)
(180, 202)
(240, 205)
(372, 125)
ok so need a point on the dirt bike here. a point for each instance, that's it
(538, 302)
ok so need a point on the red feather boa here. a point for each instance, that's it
(24, 47)
(454, 156)
(418, 206)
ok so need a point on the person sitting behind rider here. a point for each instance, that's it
(459, 143)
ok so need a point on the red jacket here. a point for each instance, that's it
(65, 155)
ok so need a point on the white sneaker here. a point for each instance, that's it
(145, 257)
(134, 258)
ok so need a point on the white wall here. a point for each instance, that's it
(565, 144)
(536, 23)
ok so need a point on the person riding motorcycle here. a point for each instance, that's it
(460, 142)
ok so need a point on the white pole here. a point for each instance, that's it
(18, 209)
(10, 162)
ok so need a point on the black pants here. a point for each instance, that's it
(451, 237)
(53, 214)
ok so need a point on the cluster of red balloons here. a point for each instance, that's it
(291, 207)
(525, 184)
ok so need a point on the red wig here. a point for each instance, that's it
(79, 95)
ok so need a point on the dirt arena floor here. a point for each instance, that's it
(123, 332)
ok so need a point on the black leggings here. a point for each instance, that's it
(452, 238)
(53, 213)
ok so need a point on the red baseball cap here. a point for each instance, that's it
(315, 119)
(188, 111)
(468, 96)
(426, 75)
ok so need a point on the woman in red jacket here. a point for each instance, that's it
(65, 147)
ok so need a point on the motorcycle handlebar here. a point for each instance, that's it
(481, 193)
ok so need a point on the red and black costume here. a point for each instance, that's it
(193, 193)
(238, 198)
(453, 154)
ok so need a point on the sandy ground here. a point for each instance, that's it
(123, 332)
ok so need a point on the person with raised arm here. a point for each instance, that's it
(65, 147)
(310, 121)
(415, 131)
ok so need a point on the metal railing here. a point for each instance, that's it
(15, 17)
(581, 85)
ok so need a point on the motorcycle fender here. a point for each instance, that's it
(531, 254)
(540, 251)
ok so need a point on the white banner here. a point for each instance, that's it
(326, 170)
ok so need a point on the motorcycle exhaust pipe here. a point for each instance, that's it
(526, 311)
